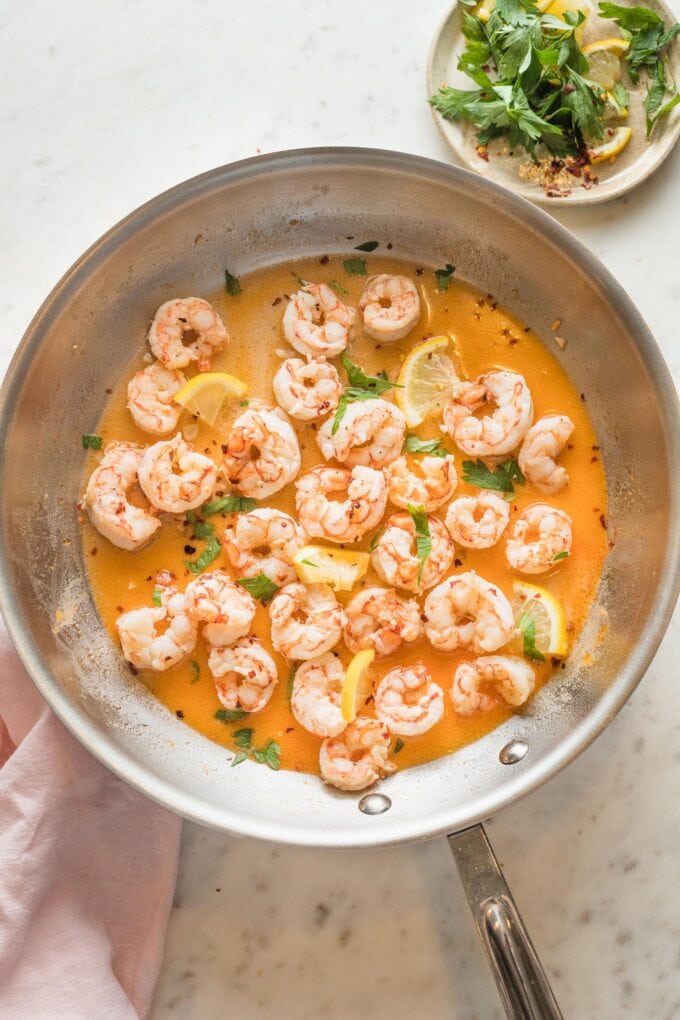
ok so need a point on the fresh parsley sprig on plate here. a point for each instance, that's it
(360, 387)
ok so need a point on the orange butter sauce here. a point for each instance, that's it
(485, 337)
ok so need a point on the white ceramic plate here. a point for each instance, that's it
(638, 160)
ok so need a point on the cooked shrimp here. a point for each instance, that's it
(512, 677)
(395, 559)
(315, 699)
(127, 526)
(245, 674)
(390, 306)
(379, 618)
(226, 609)
(143, 646)
(306, 620)
(150, 402)
(340, 520)
(371, 433)
(358, 756)
(174, 477)
(542, 446)
(264, 542)
(477, 522)
(496, 434)
(262, 452)
(307, 390)
(316, 323)
(178, 317)
(465, 611)
(539, 534)
(429, 483)
(408, 700)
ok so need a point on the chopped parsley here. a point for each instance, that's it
(361, 387)
(269, 755)
(432, 446)
(367, 246)
(228, 505)
(561, 555)
(212, 549)
(92, 442)
(309, 563)
(376, 538)
(298, 279)
(355, 267)
(423, 537)
(156, 597)
(291, 682)
(338, 288)
(244, 737)
(232, 284)
(528, 627)
(501, 480)
(443, 276)
(195, 671)
(398, 745)
(229, 715)
(260, 587)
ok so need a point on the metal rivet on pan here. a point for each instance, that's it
(375, 804)
(513, 752)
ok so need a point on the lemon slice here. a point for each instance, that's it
(558, 8)
(340, 568)
(547, 614)
(205, 393)
(613, 110)
(604, 61)
(426, 377)
(357, 684)
(615, 140)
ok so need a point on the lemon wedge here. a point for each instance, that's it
(340, 568)
(205, 393)
(426, 379)
(547, 614)
(613, 110)
(615, 140)
(604, 60)
(357, 684)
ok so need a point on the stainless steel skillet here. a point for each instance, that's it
(259, 212)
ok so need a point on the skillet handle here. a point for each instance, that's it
(522, 983)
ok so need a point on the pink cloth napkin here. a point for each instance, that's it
(87, 871)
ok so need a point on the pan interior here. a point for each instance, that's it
(255, 214)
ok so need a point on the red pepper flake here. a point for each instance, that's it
(179, 713)
(276, 301)
(513, 341)
(389, 246)
(555, 661)
(594, 447)
(290, 729)
(109, 391)
(603, 521)
(419, 272)
(93, 550)
(224, 448)
(458, 563)
(594, 460)
(324, 260)
(583, 397)
(133, 669)
(483, 152)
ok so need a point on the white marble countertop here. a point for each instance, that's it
(102, 107)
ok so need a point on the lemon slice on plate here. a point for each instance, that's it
(483, 10)
(357, 685)
(426, 379)
(615, 140)
(547, 614)
(613, 110)
(604, 61)
(340, 568)
(205, 393)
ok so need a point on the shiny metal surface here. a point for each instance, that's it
(513, 752)
(248, 215)
(521, 981)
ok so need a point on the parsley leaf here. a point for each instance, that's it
(244, 737)
(443, 276)
(361, 387)
(298, 279)
(367, 246)
(232, 284)
(260, 587)
(156, 597)
(195, 671)
(238, 758)
(528, 627)
(398, 745)
(434, 447)
(269, 755)
(338, 288)
(210, 553)
(229, 505)
(560, 555)
(92, 442)
(501, 480)
(291, 681)
(423, 537)
(229, 715)
(355, 267)
(376, 538)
